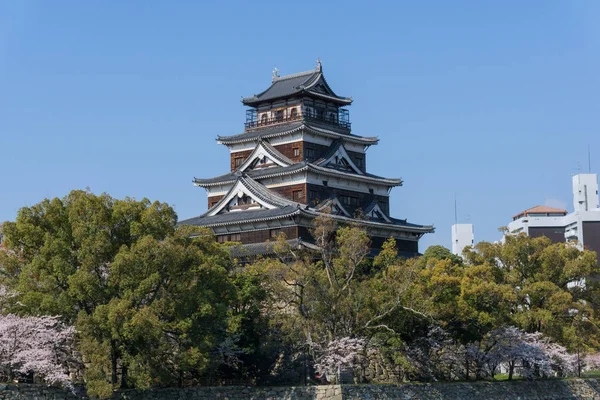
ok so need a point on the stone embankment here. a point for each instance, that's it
(572, 389)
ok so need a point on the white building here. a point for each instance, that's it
(462, 236)
(582, 225)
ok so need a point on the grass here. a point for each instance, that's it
(504, 377)
(591, 374)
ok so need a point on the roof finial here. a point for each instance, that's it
(275, 74)
(319, 65)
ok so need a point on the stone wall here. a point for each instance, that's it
(574, 389)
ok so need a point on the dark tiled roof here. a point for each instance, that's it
(287, 128)
(289, 85)
(241, 216)
(301, 166)
(394, 222)
(267, 195)
(266, 248)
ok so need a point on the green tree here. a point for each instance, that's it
(150, 301)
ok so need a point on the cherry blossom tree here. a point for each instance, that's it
(41, 345)
(337, 356)
(592, 361)
(533, 354)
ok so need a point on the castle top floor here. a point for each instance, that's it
(301, 96)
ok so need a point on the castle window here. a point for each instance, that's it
(239, 161)
(294, 113)
(296, 152)
(273, 233)
(279, 115)
(298, 195)
(263, 119)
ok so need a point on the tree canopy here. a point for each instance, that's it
(154, 304)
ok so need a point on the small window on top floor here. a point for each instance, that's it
(294, 113)
(296, 152)
(239, 161)
(298, 195)
(263, 119)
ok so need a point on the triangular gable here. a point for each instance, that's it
(239, 191)
(264, 153)
(334, 206)
(321, 86)
(340, 159)
(374, 211)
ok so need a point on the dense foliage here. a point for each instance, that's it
(156, 304)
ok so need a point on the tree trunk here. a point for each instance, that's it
(113, 361)
(124, 384)
(511, 369)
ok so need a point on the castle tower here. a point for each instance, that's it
(297, 159)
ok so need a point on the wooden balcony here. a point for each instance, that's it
(334, 121)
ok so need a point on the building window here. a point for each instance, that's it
(298, 195)
(371, 191)
(349, 200)
(279, 115)
(296, 151)
(273, 233)
(239, 161)
(294, 113)
(263, 119)
(324, 183)
(236, 237)
(309, 153)
(313, 194)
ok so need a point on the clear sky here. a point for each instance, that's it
(494, 101)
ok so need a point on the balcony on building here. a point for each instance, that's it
(340, 118)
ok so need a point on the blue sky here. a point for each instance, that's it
(495, 102)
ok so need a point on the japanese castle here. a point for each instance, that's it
(297, 159)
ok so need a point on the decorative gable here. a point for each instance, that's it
(375, 212)
(247, 194)
(239, 198)
(339, 159)
(264, 156)
(334, 207)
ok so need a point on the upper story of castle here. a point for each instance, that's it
(303, 96)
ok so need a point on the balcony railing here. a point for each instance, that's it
(297, 117)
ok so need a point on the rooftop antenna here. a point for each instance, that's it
(589, 160)
(455, 211)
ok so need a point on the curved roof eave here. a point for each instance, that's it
(247, 138)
